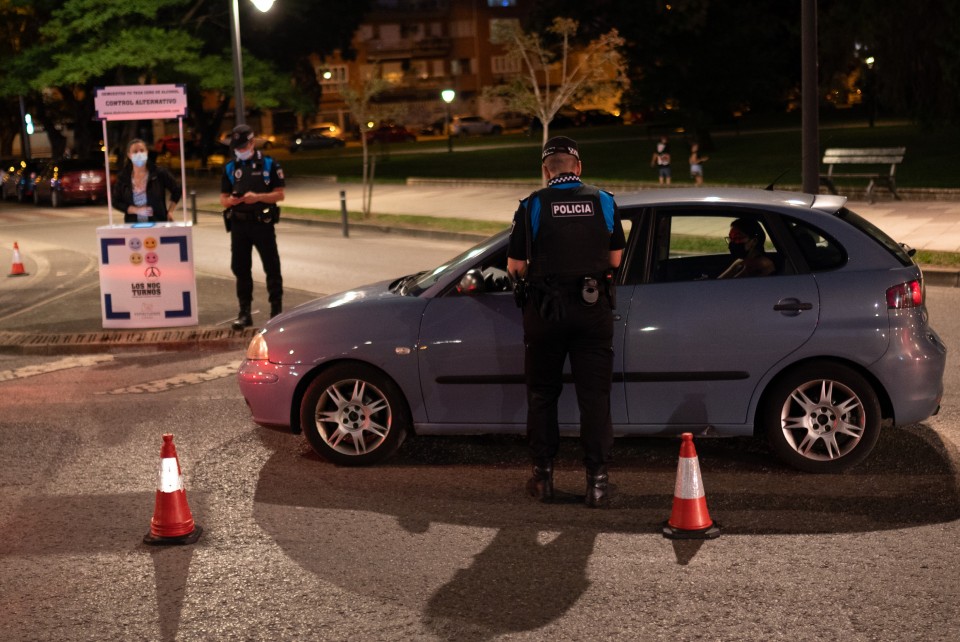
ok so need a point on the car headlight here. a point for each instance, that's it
(257, 350)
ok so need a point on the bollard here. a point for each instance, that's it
(193, 205)
(344, 223)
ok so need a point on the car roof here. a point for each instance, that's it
(732, 195)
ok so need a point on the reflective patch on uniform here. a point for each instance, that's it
(280, 174)
(237, 173)
(575, 208)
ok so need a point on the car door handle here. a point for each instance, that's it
(792, 305)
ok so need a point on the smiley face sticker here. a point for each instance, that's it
(134, 244)
(150, 243)
(136, 258)
(151, 258)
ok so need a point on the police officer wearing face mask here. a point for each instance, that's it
(565, 241)
(250, 189)
(142, 188)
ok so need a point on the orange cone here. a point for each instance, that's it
(172, 521)
(17, 269)
(689, 518)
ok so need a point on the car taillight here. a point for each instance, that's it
(905, 295)
(66, 180)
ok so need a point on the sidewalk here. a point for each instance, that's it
(71, 322)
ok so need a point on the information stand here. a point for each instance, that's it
(147, 277)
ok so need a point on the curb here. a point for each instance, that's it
(195, 339)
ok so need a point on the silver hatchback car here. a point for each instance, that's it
(814, 357)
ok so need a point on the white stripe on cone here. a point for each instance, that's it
(170, 478)
(689, 485)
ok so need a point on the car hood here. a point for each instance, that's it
(360, 322)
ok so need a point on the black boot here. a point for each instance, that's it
(275, 309)
(243, 320)
(598, 490)
(540, 486)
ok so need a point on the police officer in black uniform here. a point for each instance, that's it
(250, 189)
(566, 240)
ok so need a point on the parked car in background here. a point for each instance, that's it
(315, 138)
(259, 141)
(563, 119)
(19, 179)
(474, 126)
(813, 357)
(590, 117)
(71, 181)
(330, 129)
(390, 134)
(512, 120)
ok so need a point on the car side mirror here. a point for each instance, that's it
(471, 282)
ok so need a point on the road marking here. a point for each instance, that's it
(179, 381)
(54, 366)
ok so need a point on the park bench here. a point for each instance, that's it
(869, 156)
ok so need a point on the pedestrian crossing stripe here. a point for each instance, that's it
(179, 381)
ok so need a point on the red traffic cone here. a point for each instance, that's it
(689, 518)
(17, 269)
(172, 521)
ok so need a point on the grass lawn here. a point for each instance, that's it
(622, 154)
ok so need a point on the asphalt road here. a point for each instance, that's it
(440, 543)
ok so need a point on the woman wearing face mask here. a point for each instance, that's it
(142, 188)
(746, 246)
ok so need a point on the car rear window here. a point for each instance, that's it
(878, 235)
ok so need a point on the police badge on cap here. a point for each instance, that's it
(560, 145)
(241, 135)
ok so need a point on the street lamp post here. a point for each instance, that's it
(448, 96)
(238, 100)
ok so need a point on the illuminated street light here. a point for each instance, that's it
(448, 96)
(238, 100)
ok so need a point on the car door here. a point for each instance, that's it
(471, 357)
(697, 346)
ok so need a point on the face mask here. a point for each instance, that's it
(737, 250)
(139, 159)
(244, 155)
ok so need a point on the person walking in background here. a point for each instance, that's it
(142, 186)
(250, 188)
(661, 160)
(566, 240)
(696, 164)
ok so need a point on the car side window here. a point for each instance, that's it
(695, 247)
(819, 250)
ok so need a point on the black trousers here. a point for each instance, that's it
(585, 334)
(244, 236)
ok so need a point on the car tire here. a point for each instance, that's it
(354, 415)
(497, 130)
(822, 417)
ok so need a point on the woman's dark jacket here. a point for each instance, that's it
(159, 182)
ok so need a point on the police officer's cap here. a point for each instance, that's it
(560, 145)
(240, 136)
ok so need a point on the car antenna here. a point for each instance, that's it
(769, 187)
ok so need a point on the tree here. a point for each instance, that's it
(363, 107)
(82, 44)
(557, 73)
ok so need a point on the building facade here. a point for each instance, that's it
(422, 47)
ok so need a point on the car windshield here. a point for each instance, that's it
(425, 280)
